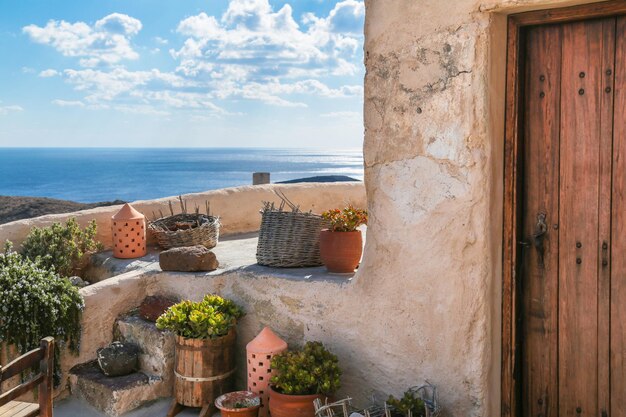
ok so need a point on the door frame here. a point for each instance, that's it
(513, 183)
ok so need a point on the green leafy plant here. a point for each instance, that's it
(210, 318)
(410, 402)
(345, 220)
(311, 370)
(35, 302)
(62, 247)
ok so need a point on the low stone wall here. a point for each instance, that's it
(375, 343)
(237, 207)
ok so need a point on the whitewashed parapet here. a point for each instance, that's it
(238, 207)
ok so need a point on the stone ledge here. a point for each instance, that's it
(236, 254)
(113, 396)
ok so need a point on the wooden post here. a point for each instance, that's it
(46, 368)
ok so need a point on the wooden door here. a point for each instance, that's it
(573, 209)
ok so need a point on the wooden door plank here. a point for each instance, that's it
(541, 197)
(578, 213)
(607, 71)
(618, 244)
(511, 216)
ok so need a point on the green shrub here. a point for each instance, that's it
(410, 401)
(34, 303)
(312, 370)
(210, 318)
(62, 248)
(346, 219)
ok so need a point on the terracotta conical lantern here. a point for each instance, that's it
(260, 352)
(129, 233)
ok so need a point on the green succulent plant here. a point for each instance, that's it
(36, 302)
(311, 370)
(410, 402)
(210, 318)
(62, 247)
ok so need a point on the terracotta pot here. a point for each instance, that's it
(227, 404)
(341, 251)
(282, 405)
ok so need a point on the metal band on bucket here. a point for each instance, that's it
(208, 379)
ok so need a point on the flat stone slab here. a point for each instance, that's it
(113, 396)
(91, 372)
(104, 265)
(235, 253)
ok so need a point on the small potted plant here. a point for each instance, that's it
(302, 376)
(205, 349)
(239, 404)
(410, 405)
(341, 246)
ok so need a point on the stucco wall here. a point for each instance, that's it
(238, 207)
(434, 111)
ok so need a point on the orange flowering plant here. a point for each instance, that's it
(345, 220)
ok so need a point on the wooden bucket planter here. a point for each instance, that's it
(204, 370)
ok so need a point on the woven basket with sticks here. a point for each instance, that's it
(186, 229)
(289, 238)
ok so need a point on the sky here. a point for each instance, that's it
(181, 73)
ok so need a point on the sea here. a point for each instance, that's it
(89, 175)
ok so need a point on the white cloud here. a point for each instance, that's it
(106, 42)
(120, 24)
(107, 85)
(66, 103)
(28, 70)
(251, 52)
(48, 73)
(4, 110)
(251, 46)
(272, 43)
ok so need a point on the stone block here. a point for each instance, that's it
(113, 396)
(118, 359)
(188, 259)
(157, 347)
(152, 307)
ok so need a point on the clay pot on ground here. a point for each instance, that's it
(282, 405)
(341, 251)
(239, 404)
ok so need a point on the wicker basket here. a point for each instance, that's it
(289, 239)
(171, 231)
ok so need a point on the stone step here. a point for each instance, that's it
(157, 348)
(115, 396)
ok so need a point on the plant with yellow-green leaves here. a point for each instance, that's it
(210, 318)
(311, 370)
